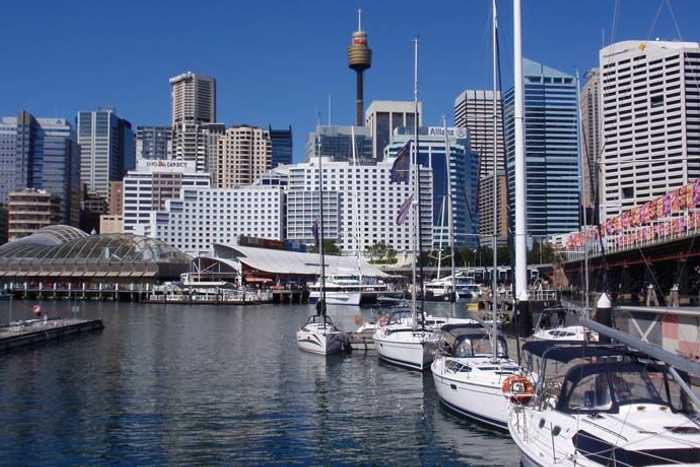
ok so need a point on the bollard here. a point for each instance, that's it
(675, 296)
(603, 315)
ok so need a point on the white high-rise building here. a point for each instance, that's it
(361, 204)
(383, 117)
(202, 216)
(147, 189)
(650, 104)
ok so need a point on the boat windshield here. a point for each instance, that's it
(478, 346)
(605, 387)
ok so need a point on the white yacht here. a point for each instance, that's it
(348, 289)
(442, 289)
(565, 333)
(400, 342)
(319, 335)
(468, 377)
(602, 405)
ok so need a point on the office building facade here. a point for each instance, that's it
(154, 143)
(31, 209)
(460, 181)
(107, 149)
(551, 150)
(591, 135)
(281, 141)
(148, 188)
(384, 117)
(202, 216)
(336, 142)
(193, 112)
(650, 112)
(41, 153)
(361, 205)
(473, 110)
(243, 153)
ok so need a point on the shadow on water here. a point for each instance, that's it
(222, 385)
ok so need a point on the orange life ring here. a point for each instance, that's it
(519, 389)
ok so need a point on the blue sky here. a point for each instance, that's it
(277, 61)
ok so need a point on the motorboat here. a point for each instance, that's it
(468, 374)
(404, 342)
(565, 333)
(320, 336)
(348, 289)
(443, 288)
(363, 337)
(601, 405)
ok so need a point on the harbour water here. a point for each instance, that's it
(201, 385)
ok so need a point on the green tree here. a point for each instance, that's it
(329, 248)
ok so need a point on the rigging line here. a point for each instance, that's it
(613, 28)
(656, 18)
(673, 17)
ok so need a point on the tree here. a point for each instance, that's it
(329, 248)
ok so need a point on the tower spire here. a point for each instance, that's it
(359, 59)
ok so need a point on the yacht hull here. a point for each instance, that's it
(338, 298)
(415, 354)
(482, 403)
(319, 343)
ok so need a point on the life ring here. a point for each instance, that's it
(519, 389)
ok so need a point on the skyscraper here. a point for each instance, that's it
(193, 98)
(107, 149)
(551, 149)
(460, 180)
(591, 134)
(650, 100)
(243, 153)
(154, 143)
(193, 103)
(383, 117)
(474, 111)
(41, 153)
(281, 146)
(336, 142)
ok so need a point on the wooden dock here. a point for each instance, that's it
(37, 331)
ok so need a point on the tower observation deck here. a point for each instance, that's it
(359, 59)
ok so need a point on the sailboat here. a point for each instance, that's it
(318, 334)
(471, 365)
(406, 340)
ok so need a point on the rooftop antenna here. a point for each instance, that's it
(359, 19)
(330, 109)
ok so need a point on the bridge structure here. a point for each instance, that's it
(648, 255)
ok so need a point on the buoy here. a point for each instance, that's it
(518, 389)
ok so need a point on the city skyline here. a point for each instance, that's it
(254, 79)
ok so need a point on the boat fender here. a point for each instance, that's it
(519, 389)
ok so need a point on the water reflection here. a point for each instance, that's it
(211, 385)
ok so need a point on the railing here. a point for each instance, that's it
(672, 229)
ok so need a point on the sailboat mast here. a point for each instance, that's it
(585, 210)
(521, 281)
(358, 203)
(320, 230)
(494, 241)
(450, 225)
(417, 182)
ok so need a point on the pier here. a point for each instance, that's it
(38, 331)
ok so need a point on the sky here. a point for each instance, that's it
(276, 62)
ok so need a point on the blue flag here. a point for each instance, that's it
(401, 169)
